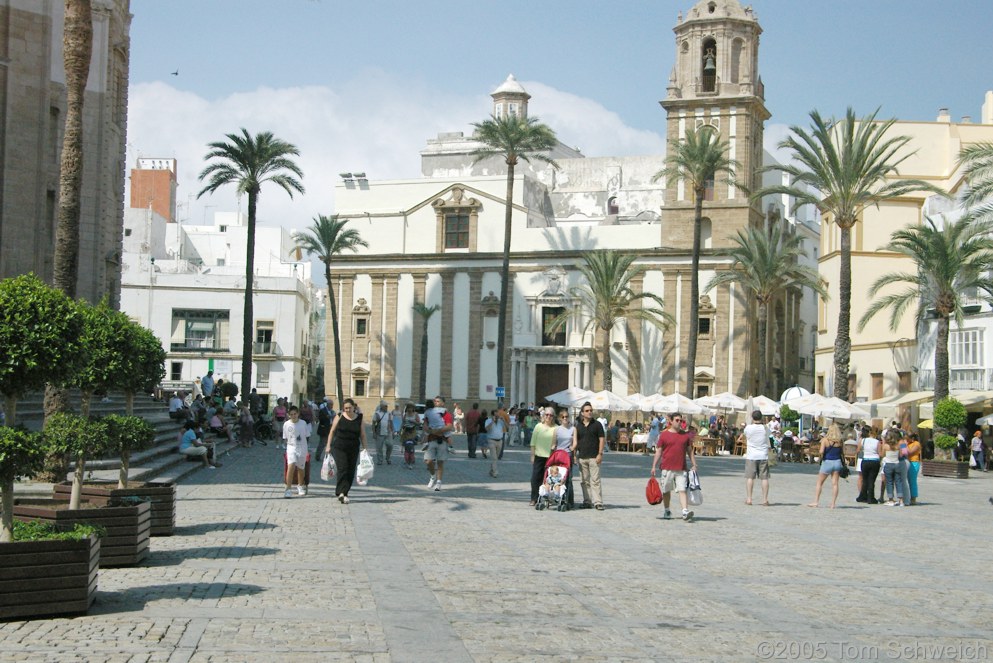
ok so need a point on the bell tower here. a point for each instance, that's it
(715, 83)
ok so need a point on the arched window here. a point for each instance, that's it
(708, 63)
(737, 47)
(706, 233)
(612, 207)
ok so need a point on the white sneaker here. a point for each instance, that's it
(437, 486)
(288, 493)
(431, 482)
(301, 490)
(687, 515)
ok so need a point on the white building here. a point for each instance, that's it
(185, 283)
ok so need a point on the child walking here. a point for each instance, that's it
(296, 432)
(409, 426)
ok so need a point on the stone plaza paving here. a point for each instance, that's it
(472, 573)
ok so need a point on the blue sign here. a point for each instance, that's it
(500, 392)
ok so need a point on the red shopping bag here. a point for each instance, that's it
(652, 491)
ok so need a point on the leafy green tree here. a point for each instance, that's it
(606, 297)
(425, 312)
(126, 434)
(326, 238)
(142, 362)
(513, 139)
(77, 49)
(698, 160)
(766, 263)
(40, 330)
(842, 167)
(102, 357)
(22, 453)
(949, 262)
(77, 437)
(949, 416)
(248, 162)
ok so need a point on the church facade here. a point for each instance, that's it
(437, 240)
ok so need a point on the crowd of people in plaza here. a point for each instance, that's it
(563, 445)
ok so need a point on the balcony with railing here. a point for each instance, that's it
(959, 379)
(196, 345)
(266, 348)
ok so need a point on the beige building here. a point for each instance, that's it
(32, 117)
(885, 363)
(437, 239)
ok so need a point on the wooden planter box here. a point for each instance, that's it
(161, 495)
(128, 527)
(41, 578)
(949, 469)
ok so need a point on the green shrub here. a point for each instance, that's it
(945, 441)
(949, 414)
(788, 414)
(37, 530)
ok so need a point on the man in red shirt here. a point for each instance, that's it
(472, 428)
(674, 446)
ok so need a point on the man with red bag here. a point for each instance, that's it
(674, 447)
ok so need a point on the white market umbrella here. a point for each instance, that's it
(982, 421)
(833, 408)
(722, 401)
(765, 405)
(807, 401)
(676, 403)
(794, 392)
(606, 400)
(567, 396)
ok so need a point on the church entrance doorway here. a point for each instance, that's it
(550, 378)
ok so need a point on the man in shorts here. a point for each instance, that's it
(438, 435)
(756, 436)
(674, 446)
(296, 432)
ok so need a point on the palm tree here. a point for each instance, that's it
(842, 167)
(77, 52)
(425, 312)
(950, 261)
(766, 263)
(248, 162)
(326, 238)
(514, 139)
(697, 159)
(606, 297)
(977, 163)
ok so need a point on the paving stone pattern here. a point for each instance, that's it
(472, 573)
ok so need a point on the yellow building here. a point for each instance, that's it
(886, 363)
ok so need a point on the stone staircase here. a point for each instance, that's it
(161, 462)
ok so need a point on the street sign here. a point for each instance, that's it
(501, 392)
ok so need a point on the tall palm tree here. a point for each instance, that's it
(698, 160)
(514, 139)
(248, 162)
(842, 167)
(606, 297)
(425, 312)
(766, 263)
(949, 260)
(326, 238)
(77, 51)
(977, 163)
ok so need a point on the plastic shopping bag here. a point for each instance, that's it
(652, 492)
(366, 468)
(328, 468)
(693, 492)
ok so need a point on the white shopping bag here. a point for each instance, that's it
(693, 492)
(366, 468)
(328, 468)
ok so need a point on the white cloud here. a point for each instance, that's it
(375, 123)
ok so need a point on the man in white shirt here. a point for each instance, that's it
(756, 436)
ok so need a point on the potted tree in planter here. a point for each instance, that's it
(126, 434)
(127, 539)
(949, 416)
(41, 572)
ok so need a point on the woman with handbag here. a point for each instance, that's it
(346, 437)
(832, 462)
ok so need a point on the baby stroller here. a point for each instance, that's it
(553, 489)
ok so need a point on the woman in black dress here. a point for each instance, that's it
(347, 434)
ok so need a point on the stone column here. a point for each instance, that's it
(475, 322)
(447, 320)
(417, 365)
(634, 334)
(376, 333)
(391, 286)
(346, 327)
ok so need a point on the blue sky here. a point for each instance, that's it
(362, 84)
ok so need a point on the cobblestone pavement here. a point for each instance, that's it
(472, 573)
